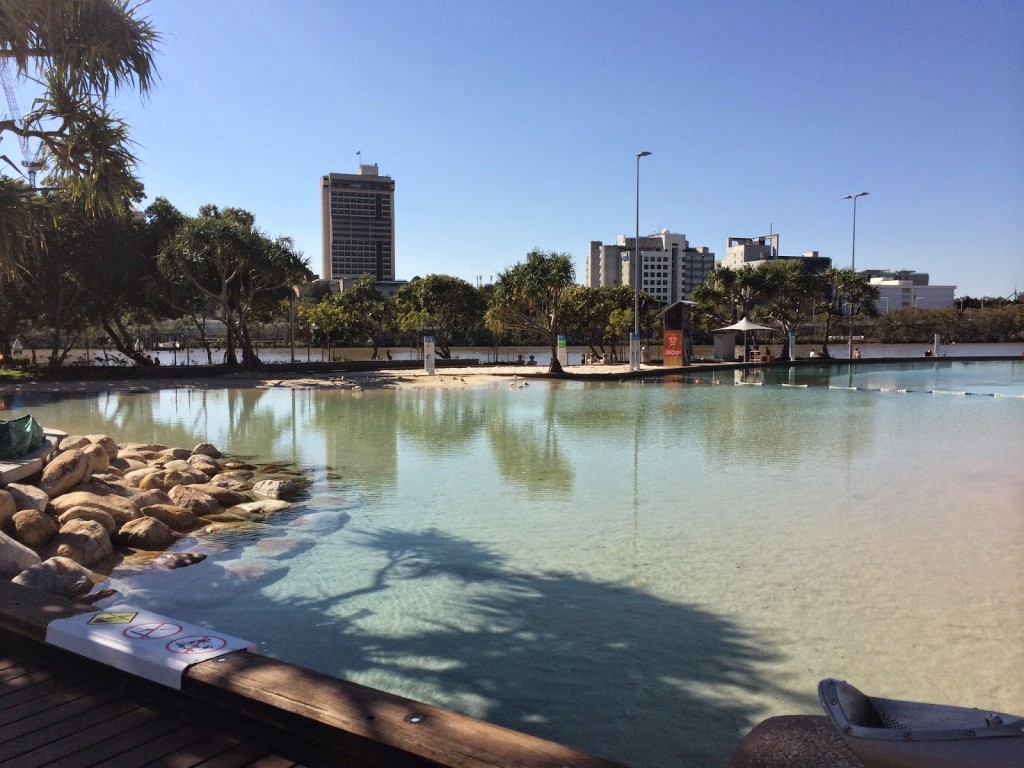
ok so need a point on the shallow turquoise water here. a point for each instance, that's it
(640, 570)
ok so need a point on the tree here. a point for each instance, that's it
(788, 291)
(448, 306)
(728, 295)
(369, 315)
(843, 291)
(526, 298)
(224, 258)
(80, 52)
(599, 315)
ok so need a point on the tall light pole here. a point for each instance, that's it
(634, 340)
(853, 254)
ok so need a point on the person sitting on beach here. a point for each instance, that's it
(520, 361)
(813, 353)
(532, 360)
(856, 353)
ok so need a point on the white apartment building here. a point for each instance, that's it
(670, 268)
(896, 294)
(753, 251)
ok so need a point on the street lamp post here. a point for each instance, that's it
(634, 340)
(853, 254)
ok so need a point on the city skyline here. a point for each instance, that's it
(508, 128)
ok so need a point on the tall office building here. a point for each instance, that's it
(358, 217)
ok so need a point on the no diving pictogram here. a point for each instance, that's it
(152, 630)
(196, 644)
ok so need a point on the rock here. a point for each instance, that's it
(275, 489)
(206, 449)
(153, 448)
(15, 557)
(132, 457)
(33, 528)
(146, 533)
(28, 496)
(120, 508)
(174, 453)
(196, 502)
(191, 474)
(8, 506)
(171, 560)
(74, 443)
(226, 497)
(204, 464)
(171, 515)
(155, 496)
(105, 442)
(91, 513)
(238, 516)
(261, 509)
(136, 476)
(127, 465)
(84, 541)
(105, 487)
(58, 576)
(163, 480)
(231, 483)
(64, 472)
(98, 458)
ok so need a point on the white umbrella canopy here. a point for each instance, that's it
(745, 324)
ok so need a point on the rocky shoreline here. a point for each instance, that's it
(97, 502)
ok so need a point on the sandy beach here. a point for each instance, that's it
(399, 378)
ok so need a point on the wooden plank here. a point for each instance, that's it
(349, 710)
(62, 712)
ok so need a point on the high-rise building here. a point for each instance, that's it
(671, 269)
(358, 217)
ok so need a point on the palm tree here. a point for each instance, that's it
(526, 298)
(80, 52)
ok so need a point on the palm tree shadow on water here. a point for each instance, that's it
(600, 666)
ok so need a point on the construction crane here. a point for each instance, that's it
(31, 158)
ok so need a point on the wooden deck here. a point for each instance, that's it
(61, 709)
(241, 709)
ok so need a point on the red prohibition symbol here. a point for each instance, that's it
(154, 630)
(197, 644)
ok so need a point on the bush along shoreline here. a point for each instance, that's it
(97, 502)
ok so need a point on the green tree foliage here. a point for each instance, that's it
(76, 54)
(727, 296)
(449, 307)
(843, 292)
(369, 315)
(222, 257)
(526, 298)
(599, 316)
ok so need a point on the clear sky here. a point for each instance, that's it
(512, 125)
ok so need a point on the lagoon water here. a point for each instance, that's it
(640, 570)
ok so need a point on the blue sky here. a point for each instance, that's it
(514, 125)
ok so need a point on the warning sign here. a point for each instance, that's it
(201, 644)
(153, 630)
(104, 637)
(113, 618)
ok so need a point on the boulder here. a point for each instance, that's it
(231, 483)
(91, 513)
(120, 508)
(191, 474)
(98, 458)
(33, 528)
(15, 557)
(84, 541)
(28, 496)
(127, 465)
(8, 506)
(132, 457)
(153, 448)
(106, 442)
(275, 489)
(64, 472)
(197, 502)
(204, 464)
(146, 533)
(206, 449)
(74, 443)
(261, 509)
(174, 453)
(226, 497)
(164, 480)
(105, 487)
(170, 560)
(58, 576)
(155, 496)
(136, 476)
(171, 515)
